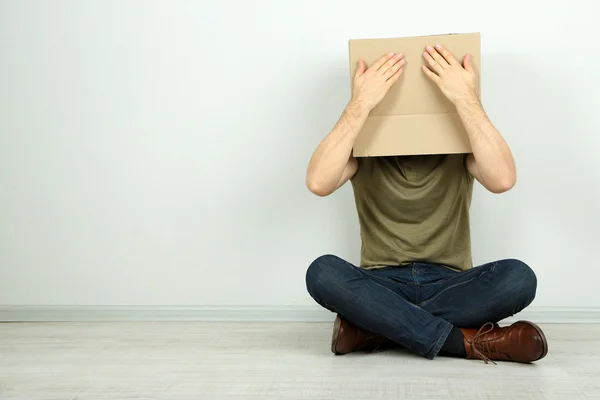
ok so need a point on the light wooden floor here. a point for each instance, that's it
(269, 361)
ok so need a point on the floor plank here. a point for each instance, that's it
(191, 360)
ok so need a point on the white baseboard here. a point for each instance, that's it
(572, 315)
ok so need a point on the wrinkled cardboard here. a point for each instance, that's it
(414, 117)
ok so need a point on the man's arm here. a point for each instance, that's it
(332, 163)
(491, 162)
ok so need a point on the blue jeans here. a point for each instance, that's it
(417, 305)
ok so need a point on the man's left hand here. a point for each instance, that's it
(456, 81)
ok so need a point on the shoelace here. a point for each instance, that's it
(484, 346)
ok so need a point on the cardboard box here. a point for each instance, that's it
(414, 117)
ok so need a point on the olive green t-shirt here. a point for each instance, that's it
(414, 208)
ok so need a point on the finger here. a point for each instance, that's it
(446, 54)
(393, 69)
(467, 63)
(431, 75)
(390, 63)
(394, 78)
(433, 63)
(360, 68)
(437, 57)
(381, 61)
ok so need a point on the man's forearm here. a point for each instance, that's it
(331, 156)
(493, 157)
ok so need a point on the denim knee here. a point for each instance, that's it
(317, 276)
(521, 279)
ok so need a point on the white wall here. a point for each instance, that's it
(153, 152)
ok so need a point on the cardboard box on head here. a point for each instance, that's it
(414, 117)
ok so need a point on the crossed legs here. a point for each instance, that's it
(418, 305)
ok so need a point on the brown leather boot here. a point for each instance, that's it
(347, 338)
(522, 341)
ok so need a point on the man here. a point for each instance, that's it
(415, 285)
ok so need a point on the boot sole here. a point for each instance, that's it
(336, 332)
(544, 341)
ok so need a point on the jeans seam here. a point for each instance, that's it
(375, 281)
(455, 285)
(441, 340)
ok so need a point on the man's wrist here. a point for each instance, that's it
(359, 108)
(467, 101)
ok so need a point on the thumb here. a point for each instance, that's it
(467, 63)
(361, 68)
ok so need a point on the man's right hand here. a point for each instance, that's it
(332, 163)
(372, 84)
